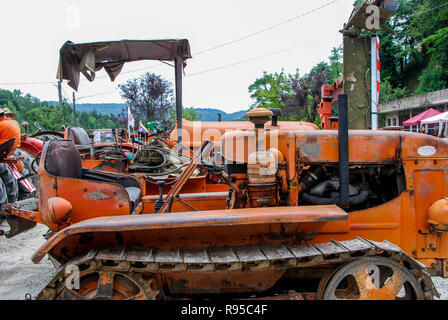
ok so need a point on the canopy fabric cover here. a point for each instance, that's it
(440, 118)
(416, 120)
(87, 58)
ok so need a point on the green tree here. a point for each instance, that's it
(187, 114)
(270, 91)
(415, 58)
(336, 64)
(31, 110)
(435, 76)
(191, 114)
(150, 98)
(297, 96)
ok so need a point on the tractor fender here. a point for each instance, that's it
(196, 220)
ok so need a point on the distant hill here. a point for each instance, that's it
(101, 108)
(208, 114)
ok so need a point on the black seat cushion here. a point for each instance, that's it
(78, 135)
(62, 159)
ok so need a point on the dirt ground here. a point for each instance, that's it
(19, 275)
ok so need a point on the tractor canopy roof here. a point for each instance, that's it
(87, 58)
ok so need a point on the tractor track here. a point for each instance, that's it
(136, 261)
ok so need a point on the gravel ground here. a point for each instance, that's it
(19, 275)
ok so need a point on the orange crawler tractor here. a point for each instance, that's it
(309, 214)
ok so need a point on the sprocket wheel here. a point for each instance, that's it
(370, 278)
(107, 285)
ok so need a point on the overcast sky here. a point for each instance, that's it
(32, 33)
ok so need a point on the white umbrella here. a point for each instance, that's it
(439, 119)
(443, 117)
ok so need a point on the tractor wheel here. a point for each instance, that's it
(109, 285)
(371, 278)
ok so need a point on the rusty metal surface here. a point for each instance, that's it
(333, 249)
(223, 255)
(306, 255)
(192, 271)
(357, 245)
(240, 217)
(273, 253)
(387, 285)
(30, 204)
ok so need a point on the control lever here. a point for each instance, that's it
(206, 148)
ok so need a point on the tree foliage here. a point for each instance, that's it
(415, 60)
(187, 113)
(297, 96)
(190, 114)
(150, 98)
(51, 117)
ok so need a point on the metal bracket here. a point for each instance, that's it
(431, 242)
(445, 268)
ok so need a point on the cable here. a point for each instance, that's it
(203, 51)
(66, 96)
(98, 94)
(238, 39)
(212, 48)
(267, 29)
(26, 83)
(235, 63)
(419, 13)
(262, 56)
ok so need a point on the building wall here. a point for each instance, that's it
(398, 111)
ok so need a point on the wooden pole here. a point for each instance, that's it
(60, 98)
(60, 93)
(74, 110)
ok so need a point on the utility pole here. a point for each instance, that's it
(60, 98)
(74, 109)
(60, 93)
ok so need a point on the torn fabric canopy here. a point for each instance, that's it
(88, 58)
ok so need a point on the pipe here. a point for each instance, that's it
(353, 200)
(344, 175)
(330, 185)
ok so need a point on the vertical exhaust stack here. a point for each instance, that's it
(344, 175)
(262, 164)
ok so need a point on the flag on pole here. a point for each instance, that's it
(131, 120)
(143, 129)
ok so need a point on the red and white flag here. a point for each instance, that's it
(28, 185)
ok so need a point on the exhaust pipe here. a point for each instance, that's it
(344, 176)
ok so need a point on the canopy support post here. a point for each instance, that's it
(178, 70)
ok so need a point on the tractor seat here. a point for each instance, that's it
(62, 159)
(78, 135)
